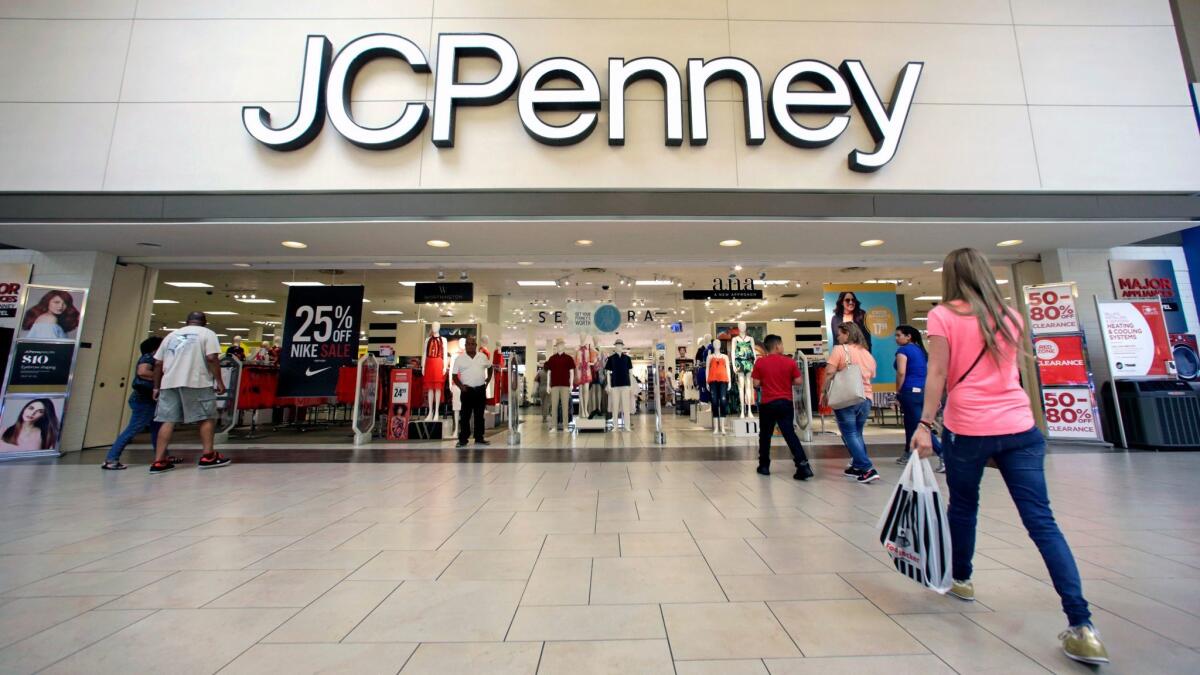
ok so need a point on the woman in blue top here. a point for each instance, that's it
(911, 364)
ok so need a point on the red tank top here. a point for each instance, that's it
(433, 348)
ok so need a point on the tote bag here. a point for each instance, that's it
(846, 386)
(913, 528)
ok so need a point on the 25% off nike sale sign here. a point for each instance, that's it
(320, 335)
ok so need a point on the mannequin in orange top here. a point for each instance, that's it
(717, 371)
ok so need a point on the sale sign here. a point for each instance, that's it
(1061, 361)
(320, 335)
(399, 404)
(1070, 413)
(1052, 309)
(1135, 336)
(1146, 279)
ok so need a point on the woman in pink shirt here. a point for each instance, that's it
(975, 341)
(852, 349)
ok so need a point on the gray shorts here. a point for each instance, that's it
(186, 404)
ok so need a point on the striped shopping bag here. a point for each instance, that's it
(913, 528)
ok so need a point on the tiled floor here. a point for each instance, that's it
(601, 567)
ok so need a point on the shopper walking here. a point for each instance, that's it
(141, 403)
(776, 374)
(472, 371)
(186, 372)
(911, 365)
(975, 341)
(852, 349)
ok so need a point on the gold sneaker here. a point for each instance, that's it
(1083, 644)
(963, 590)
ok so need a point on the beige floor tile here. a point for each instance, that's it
(403, 565)
(1009, 591)
(184, 590)
(796, 526)
(219, 553)
(559, 581)
(1029, 561)
(736, 630)
(442, 611)
(88, 583)
(494, 542)
(493, 658)
(731, 556)
(333, 615)
(346, 561)
(581, 546)
(112, 542)
(645, 657)
(329, 538)
(300, 659)
(34, 653)
(658, 545)
(280, 588)
(587, 622)
(787, 587)
(23, 617)
(641, 526)
(552, 522)
(228, 526)
(618, 581)
(861, 665)
(1156, 616)
(22, 569)
(808, 555)
(512, 504)
(843, 628)
(489, 565)
(677, 510)
(399, 537)
(1134, 563)
(895, 593)
(214, 637)
(1179, 593)
(721, 528)
(966, 647)
(743, 667)
(137, 555)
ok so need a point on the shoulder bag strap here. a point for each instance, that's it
(973, 364)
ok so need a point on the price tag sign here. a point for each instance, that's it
(1070, 413)
(1052, 309)
(320, 336)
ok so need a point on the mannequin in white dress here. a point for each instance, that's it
(455, 392)
(434, 366)
(743, 363)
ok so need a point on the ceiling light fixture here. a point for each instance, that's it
(583, 242)
(654, 282)
(937, 269)
(164, 301)
(188, 284)
(256, 301)
(303, 283)
(737, 268)
(929, 298)
(537, 283)
(221, 313)
(524, 263)
(438, 243)
(382, 264)
(294, 244)
(870, 243)
(1010, 242)
(242, 265)
(386, 311)
(730, 243)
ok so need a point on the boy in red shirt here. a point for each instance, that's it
(775, 374)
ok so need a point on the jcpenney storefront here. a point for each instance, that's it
(146, 139)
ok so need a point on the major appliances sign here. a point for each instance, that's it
(327, 81)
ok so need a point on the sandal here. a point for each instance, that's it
(174, 460)
(113, 466)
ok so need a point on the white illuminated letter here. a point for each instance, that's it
(346, 65)
(448, 93)
(700, 74)
(622, 74)
(886, 124)
(310, 110)
(531, 98)
(832, 97)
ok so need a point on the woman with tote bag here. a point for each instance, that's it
(848, 372)
(974, 342)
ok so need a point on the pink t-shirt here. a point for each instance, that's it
(859, 357)
(990, 402)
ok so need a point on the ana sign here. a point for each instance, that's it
(727, 289)
(328, 80)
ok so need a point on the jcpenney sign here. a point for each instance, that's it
(328, 80)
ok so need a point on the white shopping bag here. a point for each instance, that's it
(913, 527)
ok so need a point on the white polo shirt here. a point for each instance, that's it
(472, 372)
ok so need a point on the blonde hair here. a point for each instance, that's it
(854, 334)
(967, 277)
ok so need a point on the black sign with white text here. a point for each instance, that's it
(444, 292)
(320, 335)
(41, 367)
(723, 295)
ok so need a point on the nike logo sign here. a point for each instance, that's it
(310, 372)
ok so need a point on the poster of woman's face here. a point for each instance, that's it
(30, 424)
(51, 314)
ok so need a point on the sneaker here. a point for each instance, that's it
(1083, 644)
(852, 472)
(460, 444)
(963, 590)
(161, 467)
(763, 471)
(803, 472)
(113, 466)
(903, 459)
(482, 442)
(941, 466)
(213, 461)
(868, 476)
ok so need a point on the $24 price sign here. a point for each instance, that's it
(320, 336)
(1070, 413)
(1052, 309)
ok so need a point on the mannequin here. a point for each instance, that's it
(743, 364)
(455, 392)
(485, 346)
(597, 397)
(703, 349)
(717, 371)
(619, 368)
(434, 365)
(583, 373)
(561, 370)
(499, 381)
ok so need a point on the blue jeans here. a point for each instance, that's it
(143, 418)
(912, 405)
(1020, 458)
(850, 422)
(718, 391)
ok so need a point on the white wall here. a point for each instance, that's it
(1023, 95)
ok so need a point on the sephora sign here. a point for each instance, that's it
(328, 80)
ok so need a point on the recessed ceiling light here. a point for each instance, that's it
(775, 282)
(238, 330)
(188, 284)
(164, 301)
(1001, 282)
(583, 242)
(1011, 242)
(524, 263)
(386, 311)
(382, 264)
(149, 244)
(930, 298)
(919, 318)
(408, 320)
(221, 313)
(737, 268)
(303, 283)
(437, 243)
(870, 243)
(537, 283)
(654, 282)
(241, 265)
(937, 269)
(730, 243)
(408, 284)
(294, 244)
(365, 300)
(222, 335)
(256, 301)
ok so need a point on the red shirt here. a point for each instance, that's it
(776, 372)
(560, 367)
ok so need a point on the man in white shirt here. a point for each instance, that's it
(472, 371)
(187, 381)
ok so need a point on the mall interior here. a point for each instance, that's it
(352, 193)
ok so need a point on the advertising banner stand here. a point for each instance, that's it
(1137, 346)
(1065, 384)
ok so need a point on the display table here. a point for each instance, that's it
(591, 424)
